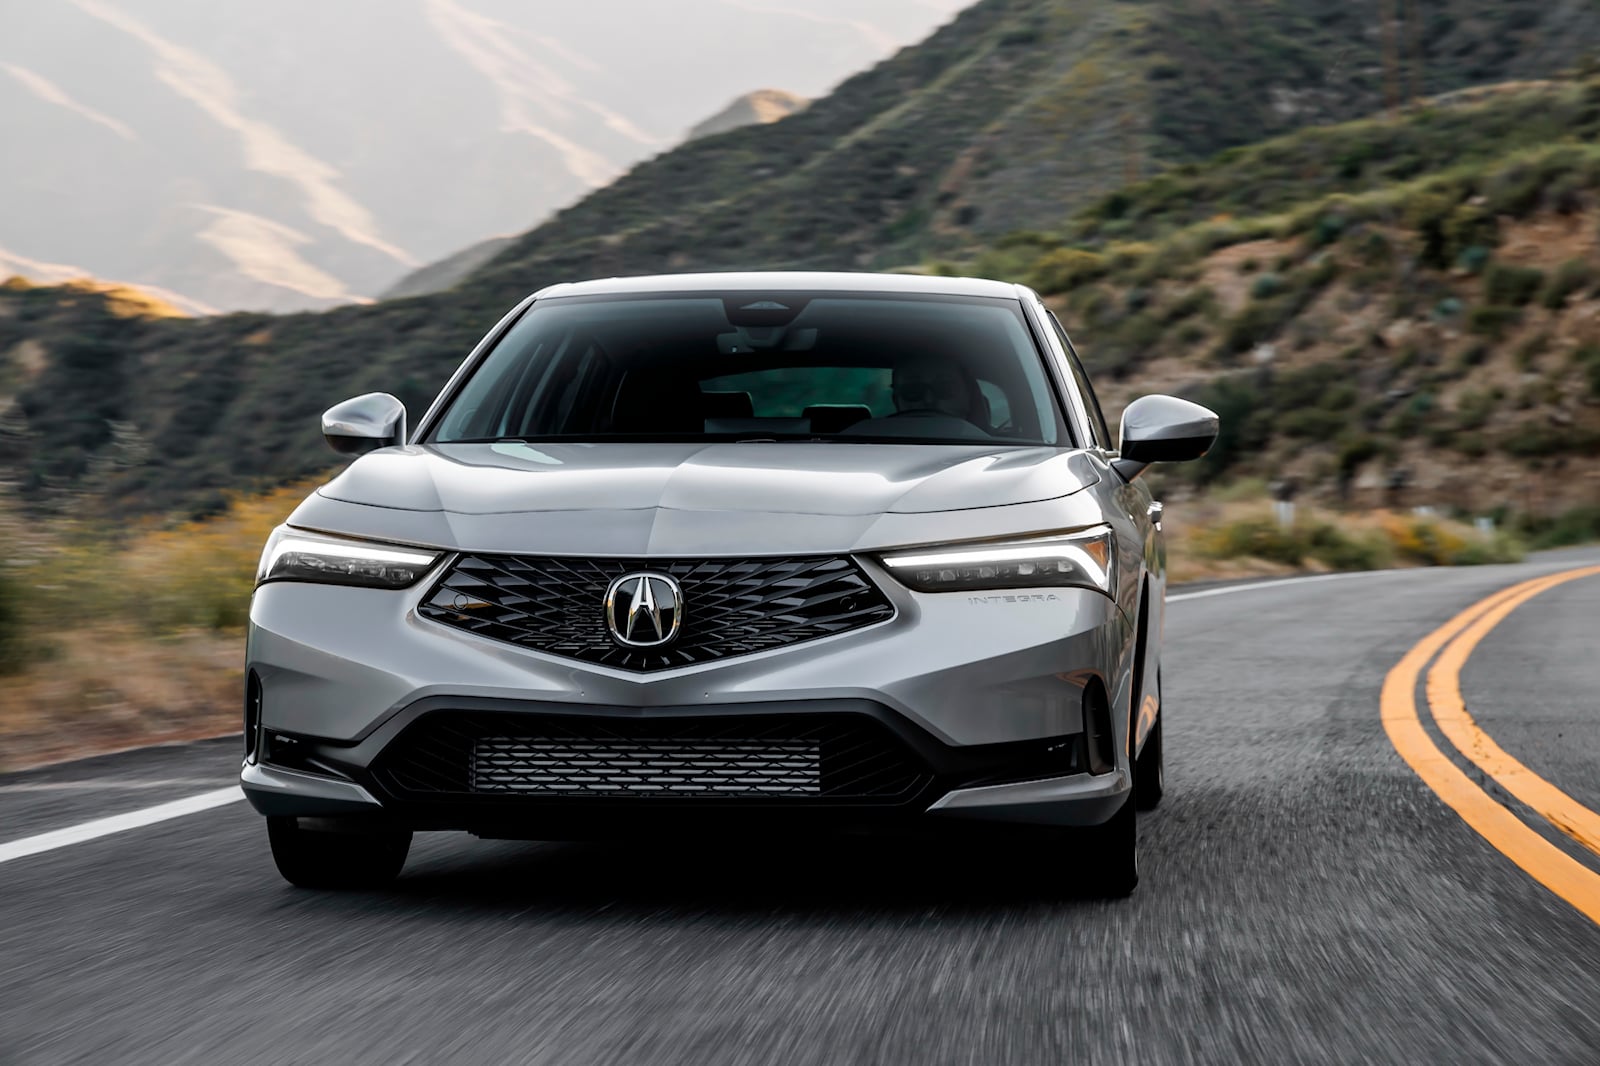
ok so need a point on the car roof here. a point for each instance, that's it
(786, 280)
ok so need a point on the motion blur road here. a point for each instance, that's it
(1306, 897)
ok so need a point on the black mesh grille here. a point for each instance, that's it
(730, 606)
(817, 757)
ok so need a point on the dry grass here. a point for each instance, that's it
(1231, 537)
(132, 636)
(106, 687)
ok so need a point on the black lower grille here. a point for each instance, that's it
(781, 758)
(730, 606)
(538, 765)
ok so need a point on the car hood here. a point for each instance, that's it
(626, 498)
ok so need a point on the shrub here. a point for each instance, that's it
(1267, 286)
(1580, 525)
(1512, 286)
(1430, 541)
(1374, 249)
(1473, 259)
(1474, 408)
(1196, 301)
(1588, 357)
(1530, 350)
(1568, 279)
(1446, 226)
(1329, 228)
(1493, 320)
(1065, 269)
(1354, 451)
(1534, 440)
(1361, 544)
(1260, 537)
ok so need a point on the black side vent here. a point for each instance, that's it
(252, 713)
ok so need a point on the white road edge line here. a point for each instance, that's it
(119, 823)
(1284, 582)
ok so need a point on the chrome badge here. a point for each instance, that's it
(644, 610)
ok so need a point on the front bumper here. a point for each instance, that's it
(1074, 800)
(987, 692)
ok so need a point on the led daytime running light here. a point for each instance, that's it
(301, 557)
(1080, 559)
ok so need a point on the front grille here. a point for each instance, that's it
(781, 757)
(730, 606)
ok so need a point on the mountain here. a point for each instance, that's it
(302, 154)
(1203, 276)
(751, 109)
(449, 271)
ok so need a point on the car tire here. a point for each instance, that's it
(1113, 853)
(1150, 775)
(315, 858)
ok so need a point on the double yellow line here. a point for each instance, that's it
(1549, 865)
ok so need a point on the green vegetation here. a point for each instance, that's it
(1513, 285)
(1587, 358)
(1578, 525)
(1328, 541)
(1569, 279)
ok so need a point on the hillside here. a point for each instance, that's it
(1384, 312)
(1015, 115)
(157, 414)
(302, 154)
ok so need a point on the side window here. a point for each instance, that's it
(1097, 418)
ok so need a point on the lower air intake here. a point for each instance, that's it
(643, 767)
(832, 757)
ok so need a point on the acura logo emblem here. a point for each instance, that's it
(644, 610)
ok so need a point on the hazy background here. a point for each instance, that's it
(302, 153)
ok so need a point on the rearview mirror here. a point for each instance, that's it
(364, 424)
(1163, 429)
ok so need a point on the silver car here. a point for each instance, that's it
(797, 550)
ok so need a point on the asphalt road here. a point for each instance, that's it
(1306, 898)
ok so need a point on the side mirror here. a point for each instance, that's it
(364, 424)
(1163, 429)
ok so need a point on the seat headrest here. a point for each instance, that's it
(836, 417)
(658, 403)
(728, 405)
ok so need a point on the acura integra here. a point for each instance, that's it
(671, 554)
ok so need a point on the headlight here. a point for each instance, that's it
(295, 555)
(1083, 559)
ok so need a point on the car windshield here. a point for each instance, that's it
(762, 366)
